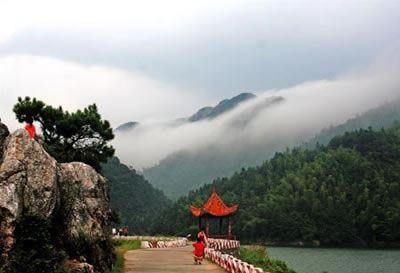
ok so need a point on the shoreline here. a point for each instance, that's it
(301, 244)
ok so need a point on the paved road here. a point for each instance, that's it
(166, 260)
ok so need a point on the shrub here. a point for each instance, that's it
(122, 246)
(33, 250)
(257, 256)
(99, 253)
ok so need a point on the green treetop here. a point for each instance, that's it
(69, 136)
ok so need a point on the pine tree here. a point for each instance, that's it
(76, 136)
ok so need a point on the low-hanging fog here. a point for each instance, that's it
(287, 116)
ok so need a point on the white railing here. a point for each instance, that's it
(221, 244)
(146, 238)
(164, 244)
(231, 263)
(228, 262)
(155, 241)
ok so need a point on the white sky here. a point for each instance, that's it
(152, 60)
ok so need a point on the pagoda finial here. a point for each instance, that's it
(214, 188)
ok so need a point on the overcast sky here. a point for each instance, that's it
(151, 60)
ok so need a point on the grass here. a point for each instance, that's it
(258, 256)
(122, 246)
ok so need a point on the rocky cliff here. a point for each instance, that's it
(73, 194)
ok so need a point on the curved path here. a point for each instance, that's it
(165, 260)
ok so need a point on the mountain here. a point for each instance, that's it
(134, 198)
(222, 107)
(127, 126)
(186, 170)
(183, 171)
(344, 193)
(380, 117)
(202, 114)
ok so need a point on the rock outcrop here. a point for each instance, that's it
(85, 194)
(31, 179)
(3, 134)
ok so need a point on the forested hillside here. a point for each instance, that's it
(132, 197)
(346, 192)
(183, 171)
(381, 117)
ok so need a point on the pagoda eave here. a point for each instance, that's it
(214, 207)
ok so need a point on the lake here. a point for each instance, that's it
(333, 260)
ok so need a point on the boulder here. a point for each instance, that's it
(73, 195)
(28, 179)
(3, 134)
(75, 266)
(85, 195)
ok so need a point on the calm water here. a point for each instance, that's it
(318, 260)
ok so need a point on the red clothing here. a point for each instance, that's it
(31, 130)
(198, 249)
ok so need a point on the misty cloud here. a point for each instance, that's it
(120, 95)
(306, 109)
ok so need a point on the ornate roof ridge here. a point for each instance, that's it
(214, 206)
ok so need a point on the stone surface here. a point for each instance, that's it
(72, 193)
(75, 266)
(86, 195)
(28, 179)
(3, 134)
(166, 260)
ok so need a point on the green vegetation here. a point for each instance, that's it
(122, 246)
(183, 171)
(346, 192)
(135, 200)
(98, 252)
(381, 117)
(258, 256)
(38, 246)
(33, 248)
(69, 136)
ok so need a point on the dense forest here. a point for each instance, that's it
(132, 197)
(345, 192)
(183, 171)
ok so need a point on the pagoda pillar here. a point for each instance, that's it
(199, 222)
(207, 227)
(229, 227)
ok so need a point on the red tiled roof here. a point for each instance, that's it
(214, 206)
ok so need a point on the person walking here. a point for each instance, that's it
(198, 251)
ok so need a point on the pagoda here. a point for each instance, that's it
(215, 208)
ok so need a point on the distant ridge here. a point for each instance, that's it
(380, 117)
(222, 107)
(204, 113)
(127, 126)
